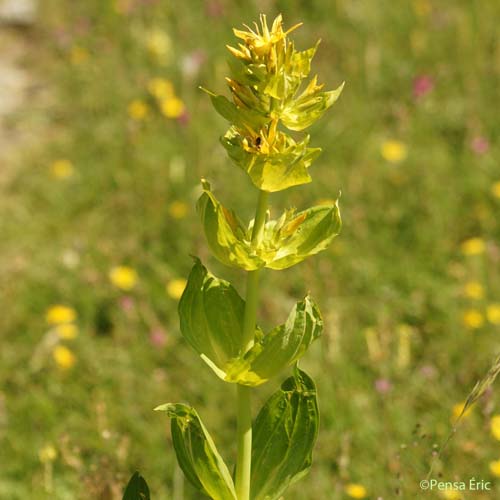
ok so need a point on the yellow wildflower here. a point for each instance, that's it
(47, 454)
(474, 290)
(64, 358)
(495, 426)
(159, 44)
(178, 209)
(393, 151)
(172, 107)
(78, 55)
(123, 277)
(493, 313)
(495, 468)
(175, 288)
(354, 490)
(473, 319)
(473, 246)
(495, 189)
(67, 331)
(62, 169)
(457, 411)
(59, 314)
(138, 110)
(451, 494)
(160, 88)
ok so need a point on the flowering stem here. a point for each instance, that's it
(244, 461)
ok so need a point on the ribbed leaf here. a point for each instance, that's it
(211, 317)
(136, 489)
(196, 453)
(284, 434)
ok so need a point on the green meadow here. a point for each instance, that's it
(98, 227)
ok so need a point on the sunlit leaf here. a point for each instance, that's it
(196, 453)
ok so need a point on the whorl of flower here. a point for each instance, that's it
(267, 88)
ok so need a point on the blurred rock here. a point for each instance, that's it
(17, 12)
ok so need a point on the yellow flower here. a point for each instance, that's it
(354, 490)
(158, 44)
(175, 288)
(64, 358)
(393, 151)
(495, 189)
(123, 277)
(495, 468)
(67, 331)
(160, 88)
(138, 110)
(493, 313)
(473, 319)
(457, 411)
(474, 290)
(473, 246)
(78, 55)
(178, 209)
(59, 314)
(451, 494)
(62, 169)
(495, 426)
(172, 107)
(47, 454)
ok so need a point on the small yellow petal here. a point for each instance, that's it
(160, 88)
(495, 189)
(47, 454)
(495, 426)
(59, 314)
(474, 290)
(457, 411)
(495, 468)
(138, 110)
(493, 313)
(473, 246)
(123, 277)
(172, 107)
(63, 357)
(393, 151)
(175, 288)
(354, 490)
(62, 169)
(473, 319)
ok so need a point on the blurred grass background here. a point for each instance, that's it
(99, 218)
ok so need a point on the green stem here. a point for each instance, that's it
(244, 459)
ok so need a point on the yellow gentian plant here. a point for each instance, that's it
(270, 96)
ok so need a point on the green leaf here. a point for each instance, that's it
(284, 434)
(225, 234)
(242, 118)
(136, 489)
(306, 109)
(211, 317)
(196, 453)
(305, 234)
(280, 348)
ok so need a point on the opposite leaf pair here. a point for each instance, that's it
(286, 242)
(284, 434)
(211, 320)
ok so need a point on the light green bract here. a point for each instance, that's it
(196, 453)
(211, 318)
(287, 241)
